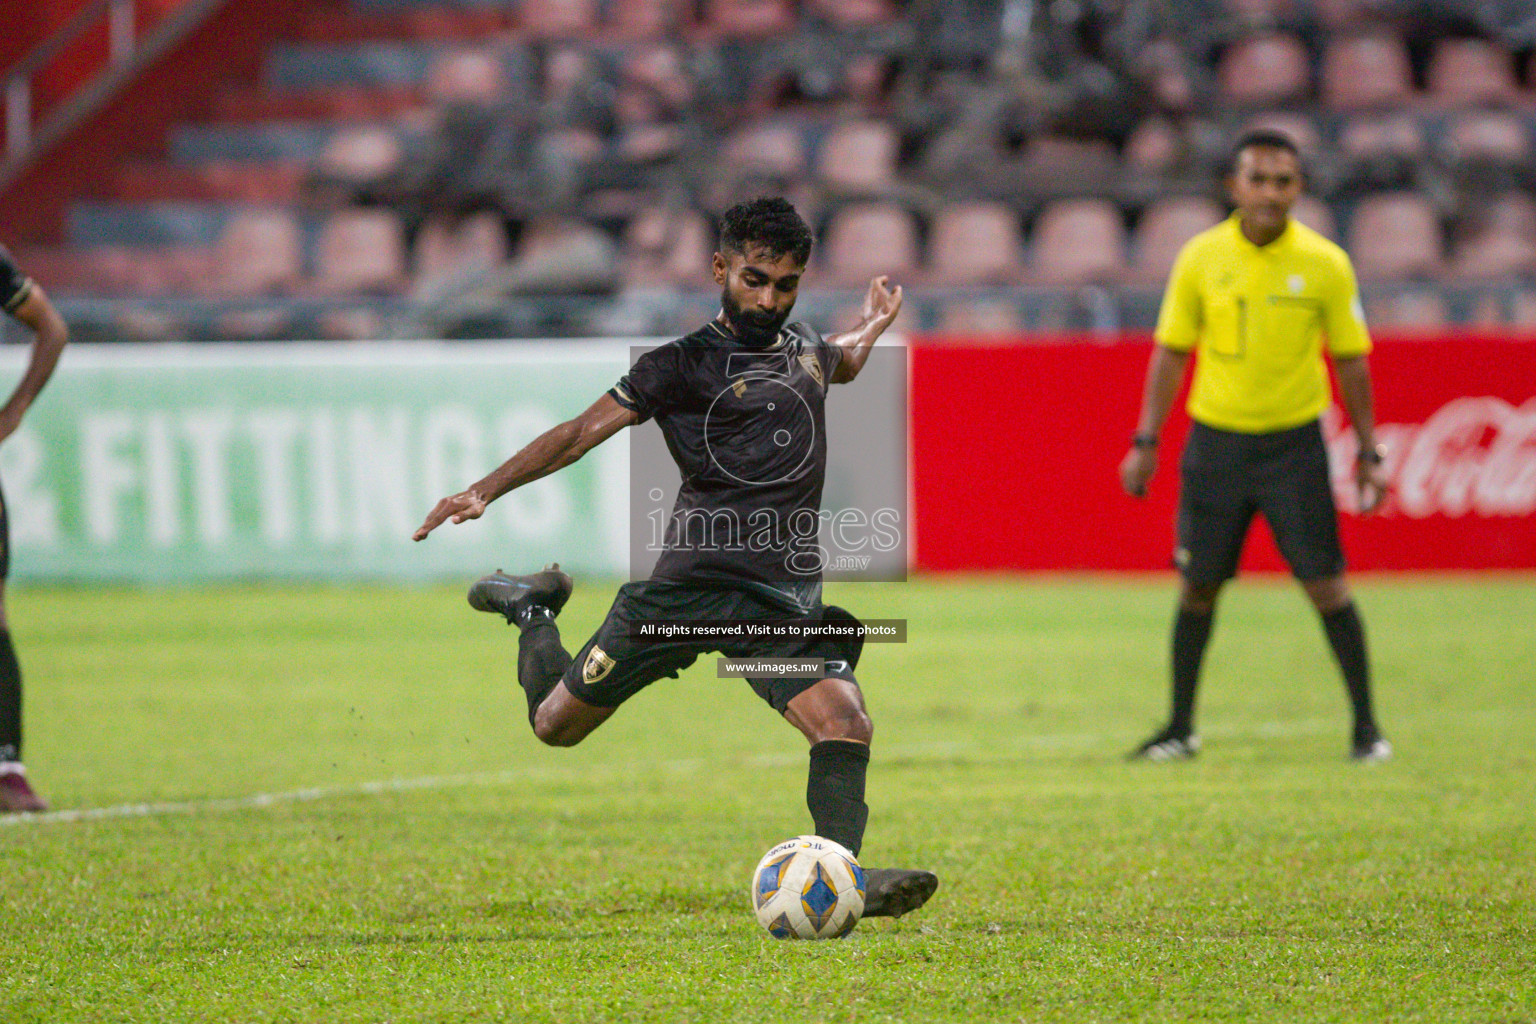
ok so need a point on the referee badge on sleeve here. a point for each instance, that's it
(597, 665)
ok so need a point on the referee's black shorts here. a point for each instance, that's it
(616, 664)
(1226, 477)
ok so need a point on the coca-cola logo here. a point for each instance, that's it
(1472, 456)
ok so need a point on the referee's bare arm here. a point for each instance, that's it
(554, 449)
(1165, 372)
(1354, 374)
(881, 304)
(50, 338)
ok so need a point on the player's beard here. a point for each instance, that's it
(751, 326)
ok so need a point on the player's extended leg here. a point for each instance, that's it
(831, 714)
(1335, 604)
(16, 792)
(531, 603)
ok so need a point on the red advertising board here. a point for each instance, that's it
(1015, 451)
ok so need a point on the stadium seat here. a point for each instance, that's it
(1496, 136)
(1265, 69)
(749, 18)
(651, 19)
(1260, 14)
(858, 158)
(1054, 166)
(851, 13)
(975, 315)
(1470, 73)
(1395, 236)
(864, 240)
(1346, 14)
(360, 252)
(1294, 125)
(1162, 231)
(451, 247)
(359, 154)
(1155, 147)
(1077, 242)
(475, 75)
(1317, 215)
(1497, 240)
(559, 19)
(259, 252)
(1381, 153)
(1367, 71)
(975, 243)
(1407, 311)
(666, 247)
(776, 150)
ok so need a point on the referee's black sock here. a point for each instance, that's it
(835, 791)
(1191, 633)
(1346, 635)
(541, 660)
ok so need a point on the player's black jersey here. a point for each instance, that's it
(14, 285)
(747, 429)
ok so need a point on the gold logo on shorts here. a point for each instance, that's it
(597, 665)
(812, 367)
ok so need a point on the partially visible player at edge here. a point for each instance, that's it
(720, 377)
(22, 298)
(1255, 296)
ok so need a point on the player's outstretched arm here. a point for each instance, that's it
(1165, 372)
(51, 335)
(881, 304)
(554, 449)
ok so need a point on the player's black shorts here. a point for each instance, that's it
(1227, 477)
(615, 665)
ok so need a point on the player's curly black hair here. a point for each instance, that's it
(766, 223)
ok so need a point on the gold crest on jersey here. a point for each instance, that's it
(740, 387)
(813, 367)
(597, 665)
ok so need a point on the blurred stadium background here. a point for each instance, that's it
(392, 170)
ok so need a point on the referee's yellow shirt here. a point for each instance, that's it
(1257, 317)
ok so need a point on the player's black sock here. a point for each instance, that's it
(10, 700)
(541, 660)
(1346, 635)
(1191, 633)
(835, 791)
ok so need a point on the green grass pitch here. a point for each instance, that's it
(421, 858)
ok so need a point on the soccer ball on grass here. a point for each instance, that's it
(808, 888)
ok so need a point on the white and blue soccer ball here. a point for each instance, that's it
(808, 888)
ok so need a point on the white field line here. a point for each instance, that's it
(385, 787)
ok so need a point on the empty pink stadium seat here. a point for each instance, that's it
(667, 247)
(1498, 136)
(1395, 236)
(1265, 69)
(448, 247)
(773, 149)
(851, 13)
(975, 244)
(964, 317)
(1162, 231)
(359, 154)
(858, 157)
(865, 240)
(1409, 311)
(1498, 240)
(1369, 71)
(360, 252)
(475, 75)
(1079, 241)
(651, 19)
(1367, 136)
(559, 18)
(748, 18)
(1317, 215)
(259, 252)
(1471, 72)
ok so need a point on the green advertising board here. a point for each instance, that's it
(190, 463)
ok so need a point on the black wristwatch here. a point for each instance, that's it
(1374, 455)
(1142, 439)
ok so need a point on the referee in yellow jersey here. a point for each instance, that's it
(1258, 297)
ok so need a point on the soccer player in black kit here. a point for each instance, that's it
(741, 403)
(23, 299)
